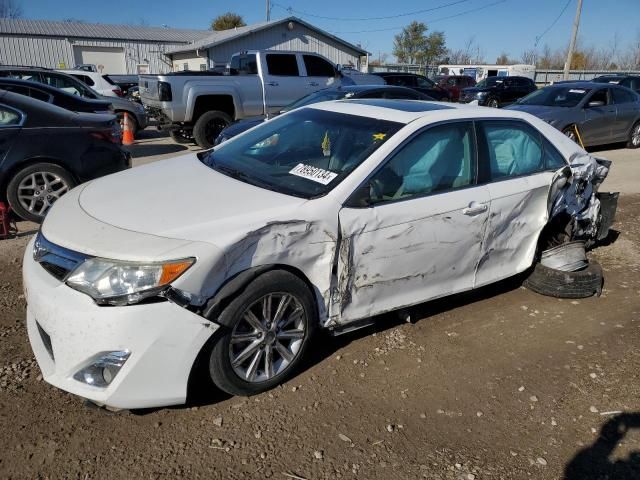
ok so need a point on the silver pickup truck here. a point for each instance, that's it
(196, 106)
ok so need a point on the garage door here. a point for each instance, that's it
(106, 59)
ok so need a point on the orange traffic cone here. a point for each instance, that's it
(127, 132)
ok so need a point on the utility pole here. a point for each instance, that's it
(268, 10)
(572, 44)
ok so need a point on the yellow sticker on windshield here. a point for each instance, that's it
(326, 145)
(379, 136)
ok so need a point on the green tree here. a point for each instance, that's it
(227, 21)
(413, 45)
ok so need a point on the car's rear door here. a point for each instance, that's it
(421, 236)
(518, 166)
(11, 120)
(626, 103)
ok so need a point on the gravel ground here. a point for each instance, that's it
(497, 384)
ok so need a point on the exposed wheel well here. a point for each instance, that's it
(206, 103)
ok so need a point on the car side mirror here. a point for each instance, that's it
(361, 198)
(595, 103)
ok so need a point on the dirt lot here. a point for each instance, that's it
(498, 384)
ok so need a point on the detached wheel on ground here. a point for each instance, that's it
(33, 190)
(267, 331)
(181, 136)
(209, 126)
(634, 137)
(556, 283)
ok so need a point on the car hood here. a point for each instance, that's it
(184, 199)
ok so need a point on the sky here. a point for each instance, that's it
(510, 26)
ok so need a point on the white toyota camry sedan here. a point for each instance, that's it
(319, 219)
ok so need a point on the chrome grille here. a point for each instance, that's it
(56, 260)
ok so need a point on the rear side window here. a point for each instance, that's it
(399, 80)
(63, 83)
(29, 92)
(401, 94)
(85, 79)
(244, 65)
(106, 78)
(600, 96)
(423, 82)
(9, 117)
(318, 67)
(511, 149)
(622, 96)
(282, 65)
(21, 75)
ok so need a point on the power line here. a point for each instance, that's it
(539, 37)
(430, 21)
(351, 19)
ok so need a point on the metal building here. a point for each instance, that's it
(117, 48)
(289, 33)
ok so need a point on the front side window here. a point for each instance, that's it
(64, 83)
(438, 159)
(600, 96)
(282, 65)
(423, 82)
(244, 64)
(318, 67)
(84, 79)
(512, 149)
(305, 153)
(9, 117)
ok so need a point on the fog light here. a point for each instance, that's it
(102, 368)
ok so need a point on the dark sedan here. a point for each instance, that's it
(602, 113)
(55, 96)
(46, 150)
(498, 91)
(417, 82)
(325, 95)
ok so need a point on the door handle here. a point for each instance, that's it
(314, 84)
(272, 84)
(475, 208)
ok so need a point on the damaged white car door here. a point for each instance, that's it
(419, 234)
(518, 165)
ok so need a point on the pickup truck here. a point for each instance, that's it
(196, 106)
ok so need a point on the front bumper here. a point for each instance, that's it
(67, 329)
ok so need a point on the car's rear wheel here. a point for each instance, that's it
(209, 126)
(181, 136)
(267, 330)
(493, 103)
(634, 137)
(34, 189)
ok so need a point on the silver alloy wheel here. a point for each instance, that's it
(635, 136)
(268, 337)
(493, 103)
(39, 190)
(571, 134)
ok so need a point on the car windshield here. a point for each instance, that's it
(305, 153)
(489, 82)
(317, 97)
(555, 97)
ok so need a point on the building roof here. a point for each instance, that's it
(99, 30)
(217, 38)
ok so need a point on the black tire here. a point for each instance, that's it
(20, 205)
(221, 369)
(209, 126)
(556, 283)
(493, 103)
(181, 137)
(634, 136)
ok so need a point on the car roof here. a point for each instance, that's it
(406, 111)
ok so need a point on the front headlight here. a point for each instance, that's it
(481, 94)
(113, 282)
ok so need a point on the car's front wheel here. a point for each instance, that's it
(267, 330)
(34, 189)
(570, 132)
(493, 103)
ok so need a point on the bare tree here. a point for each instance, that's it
(10, 9)
(529, 57)
(470, 53)
(503, 59)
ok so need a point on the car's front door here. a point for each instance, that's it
(282, 81)
(598, 119)
(518, 165)
(421, 235)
